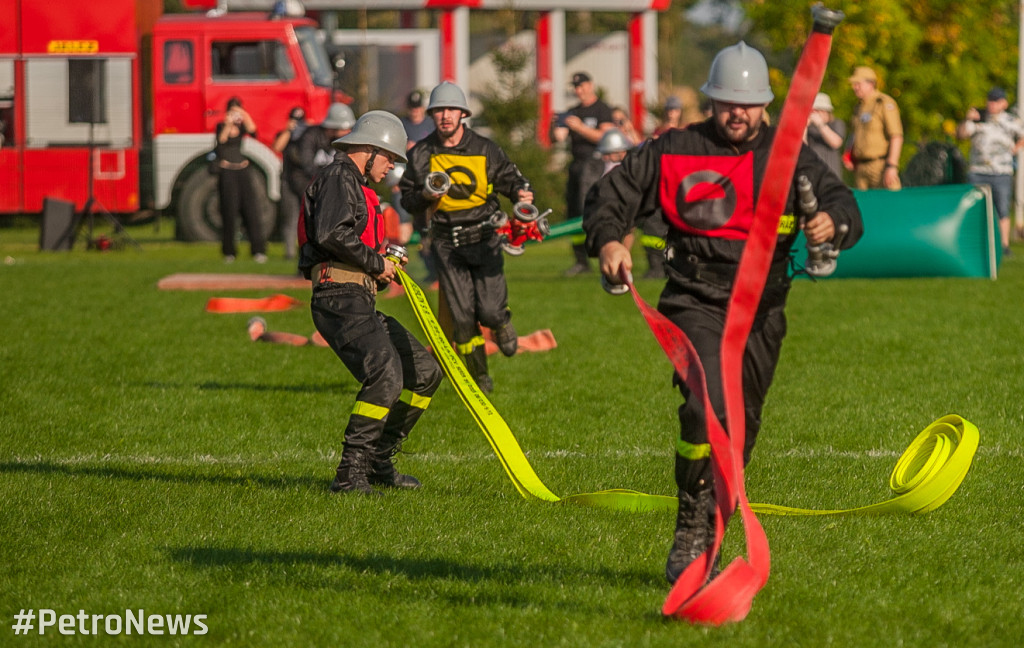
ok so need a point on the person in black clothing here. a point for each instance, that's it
(313, 150)
(583, 125)
(235, 184)
(341, 232)
(464, 239)
(288, 206)
(706, 179)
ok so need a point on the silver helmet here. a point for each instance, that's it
(739, 74)
(377, 128)
(613, 141)
(339, 116)
(448, 95)
(394, 176)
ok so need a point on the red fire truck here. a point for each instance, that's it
(116, 102)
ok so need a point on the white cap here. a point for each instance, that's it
(823, 102)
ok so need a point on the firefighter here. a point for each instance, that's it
(341, 232)
(464, 241)
(706, 179)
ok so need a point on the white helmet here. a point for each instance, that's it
(377, 128)
(613, 141)
(448, 95)
(739, 74)
(339, 116)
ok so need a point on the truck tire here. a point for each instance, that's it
(199, 216)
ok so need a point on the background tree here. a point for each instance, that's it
(935, 57)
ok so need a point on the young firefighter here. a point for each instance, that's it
(341, 232)
(706, 179)
(464, 242)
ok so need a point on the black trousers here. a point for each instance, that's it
(398, 375)
(703, 322)
(473, 279)
(238, 201)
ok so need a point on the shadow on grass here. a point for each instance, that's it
(500, 582)
(187, 475)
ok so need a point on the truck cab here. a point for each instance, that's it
(199, 63)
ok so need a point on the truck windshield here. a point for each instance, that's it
(316, 56)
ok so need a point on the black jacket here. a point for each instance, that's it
(305, 156)
(676, 170)
(479, 171)
(335, 215)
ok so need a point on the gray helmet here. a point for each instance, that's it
(448, 95)
(739, 74)
(377, 128)
(339, 116)
(613, 141)
(394, 176)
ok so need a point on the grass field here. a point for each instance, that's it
(153, 458)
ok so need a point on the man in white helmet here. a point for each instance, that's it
(463, 239)
(706, 179)
(341, 234)
(312, 150)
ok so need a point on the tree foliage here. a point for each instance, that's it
(935, 57)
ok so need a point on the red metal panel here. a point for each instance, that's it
(544, 78)
(637, 81)
(8, 26)
(74, 27)
(446, 24)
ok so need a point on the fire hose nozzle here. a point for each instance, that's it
(821, 259)
(525, 212)
(396, 253)
(437, 184)
(825, 19)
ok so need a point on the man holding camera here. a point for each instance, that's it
(584, 124)
(996, 137)
(453, 180)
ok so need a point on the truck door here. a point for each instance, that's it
(10, 162)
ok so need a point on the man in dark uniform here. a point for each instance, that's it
(726, 155)
(341, 233)
(464, 239)
(583, 124)
(313, 149)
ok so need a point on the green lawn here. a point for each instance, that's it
(153, 458)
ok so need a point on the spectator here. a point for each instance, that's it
(996, 137)
(672, 116)
(583, 125)
(874, 150)
(235, 184)
(415, 123)
(826, 134)
(288, 208)
(622, 122)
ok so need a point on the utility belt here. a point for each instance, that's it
(336, 272)
(459, 235)
(723, 275)
(860, 160)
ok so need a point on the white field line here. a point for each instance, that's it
(462, 457)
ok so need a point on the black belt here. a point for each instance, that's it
(723, 274)
(459, 235)
(874, 159)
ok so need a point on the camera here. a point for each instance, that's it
(560, 120)
(982, 115)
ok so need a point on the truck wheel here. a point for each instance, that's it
(199, 208)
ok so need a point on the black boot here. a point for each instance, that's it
(695, 532)
(382, 468)
(476, 363)
(352, 473)
(507, 340)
